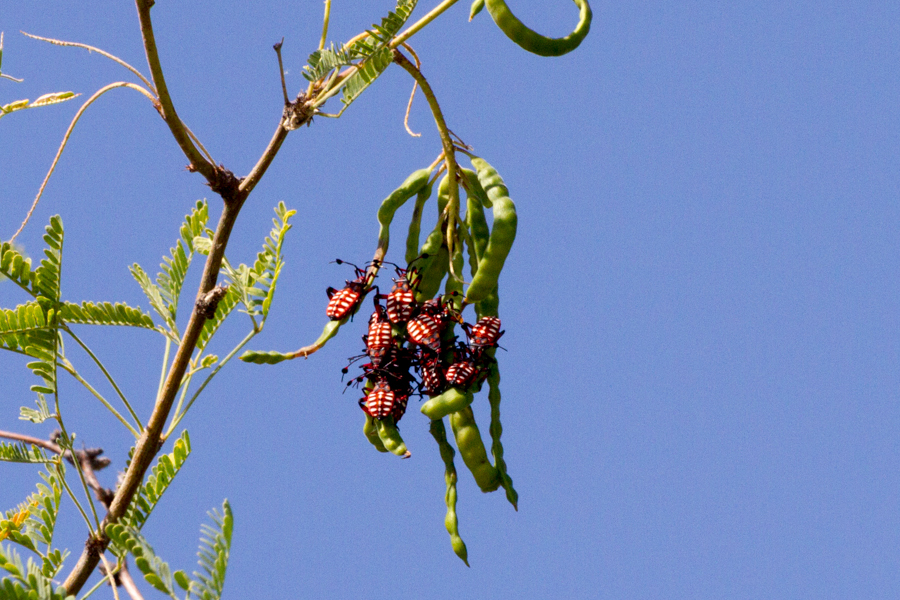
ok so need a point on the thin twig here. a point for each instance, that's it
(65, 140)
(93, 49)
(69, 368)
(413, 94)
(27, 439)
(167, 108)
(325, 24)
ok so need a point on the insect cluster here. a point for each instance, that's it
(411, 346)
(417, 343)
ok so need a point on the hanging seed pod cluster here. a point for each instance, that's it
(419, 342)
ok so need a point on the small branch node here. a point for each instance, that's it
(207, 304)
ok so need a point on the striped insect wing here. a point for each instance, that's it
(341, 303)
(380, 400)
(486, 332)
(400, 303)
(378, 341)
(460, 374)
(425, 331)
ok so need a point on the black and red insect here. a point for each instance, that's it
(379, 402)
(342, 302)
(484, 334)
(432, 374)
(379, 339)
(401, 302)
(425, 330)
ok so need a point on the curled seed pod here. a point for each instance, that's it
(415, 224)
(390, 437)
(534, 42)
(474, 189)
(471, 449)
(371, 432)
(502, 235)
(409, 188)
(496, 430)
(434, 268)
(449, 402)
(451, 522)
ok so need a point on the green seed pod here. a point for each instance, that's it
(434, 268)
(473, 188)
(439, 433)
(390, 437)
(479, 232)
(502, 235)
(409, 188)
(496, 430)
(449, 402)
(471, 448)
(476, 8)
(534, 42)
(415, 224)
(371, 431)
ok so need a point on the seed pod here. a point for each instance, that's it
(496, 430)
(531, 40)
(412, 237)
(390, 437)
(502, 235)
(410, 187)
(371, 432)
(451, 522)
(452, 400)
(471, 448)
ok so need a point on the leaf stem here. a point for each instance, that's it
(325, 24)
(109, 377)
(69, 368)
(418, 25)
(222, 363)
(65, 140)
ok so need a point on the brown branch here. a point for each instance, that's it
(27, 439)
(167, 108)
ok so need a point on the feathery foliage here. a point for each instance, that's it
(149, 494)
(105, 313)
(33, 521)
(26, 582)
(370, 55)
(39, 415)
(223, 309)
(215, 546)
(15, 266)
(174, 267)
(153, 293)
(156, 571)
(256, 285)
(47, 275)
(22, 453)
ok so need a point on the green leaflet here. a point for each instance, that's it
(104, 313)
(161, 476)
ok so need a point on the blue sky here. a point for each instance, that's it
(701, 383)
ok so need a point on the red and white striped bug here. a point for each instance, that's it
(342, 302)
(401, 302)
(484, 334)
(379, 338)
(379, 402)
(461, 374)
(425, 330)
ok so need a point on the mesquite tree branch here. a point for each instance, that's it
(167, 109)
